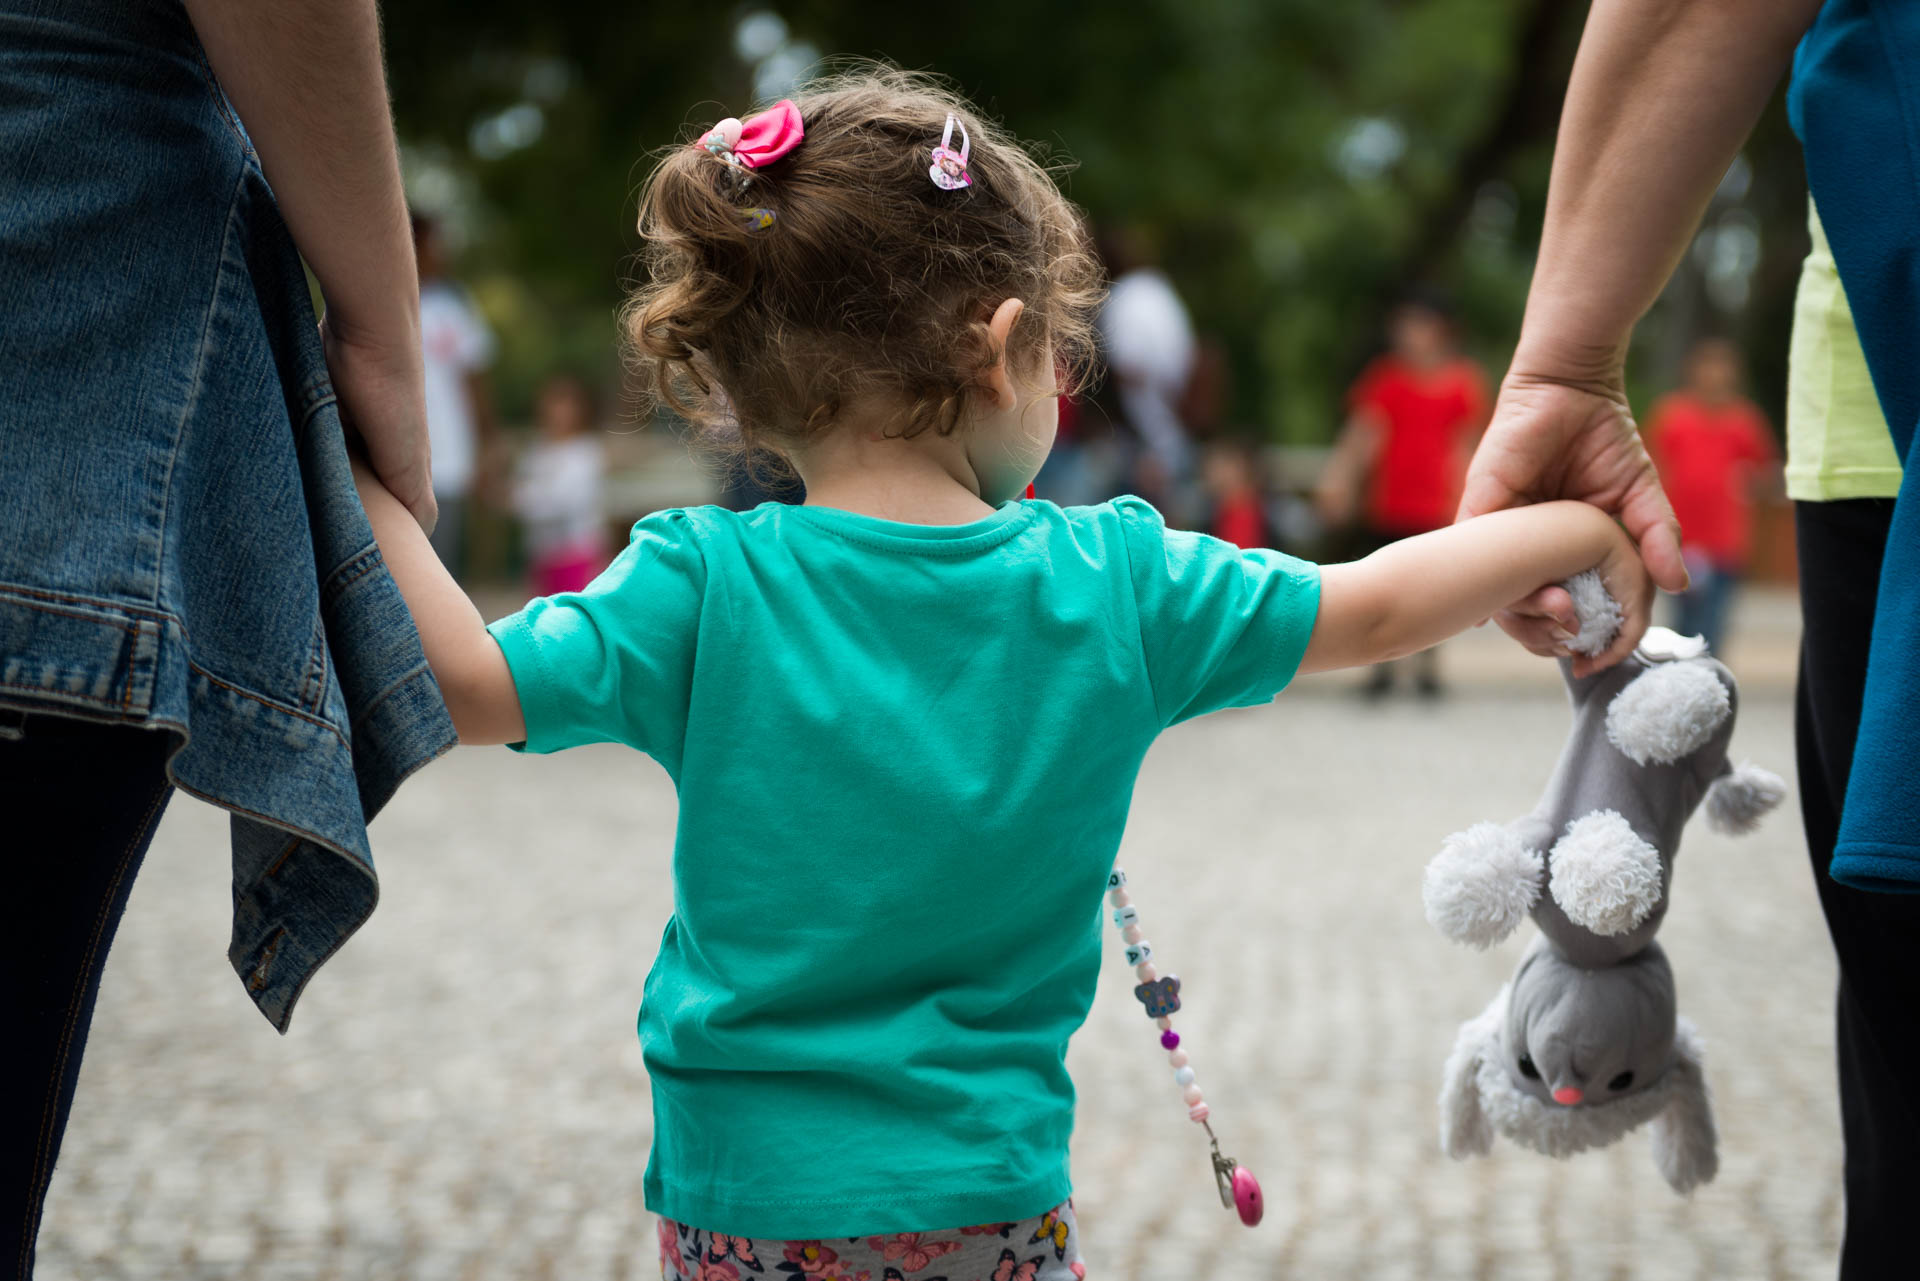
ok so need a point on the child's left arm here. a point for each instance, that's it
(473, 673)
(1417, 592)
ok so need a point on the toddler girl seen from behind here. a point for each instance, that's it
(904, 718)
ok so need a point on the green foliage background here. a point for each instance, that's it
(1217, 127)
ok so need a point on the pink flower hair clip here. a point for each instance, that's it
(949, 168)
(757, 141)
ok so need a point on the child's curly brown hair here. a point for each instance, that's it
(868, 279)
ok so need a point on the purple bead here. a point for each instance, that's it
(1169, 1039)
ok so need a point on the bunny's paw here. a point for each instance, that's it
(1605, 877)
(1481, 884)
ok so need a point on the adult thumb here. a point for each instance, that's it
(1650, 522)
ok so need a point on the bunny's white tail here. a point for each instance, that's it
(1741, 797)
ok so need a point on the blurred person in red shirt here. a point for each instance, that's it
(1236, 494)
(1413, 418)
(1714, 451)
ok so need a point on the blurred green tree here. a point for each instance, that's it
(1294, 162)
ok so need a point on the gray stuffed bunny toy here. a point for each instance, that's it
(1585, 1043)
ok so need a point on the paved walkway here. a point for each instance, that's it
(461, 1095)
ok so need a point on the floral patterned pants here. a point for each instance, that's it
(1042, 1249)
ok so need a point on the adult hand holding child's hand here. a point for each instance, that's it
(1625, 579)
(383, 401)
(1565, 438)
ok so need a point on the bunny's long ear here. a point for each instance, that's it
(1685, 1144)
(1464, 1128)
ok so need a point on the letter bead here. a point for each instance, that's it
(1116, 879)
(1139, 953)
(1125, 916)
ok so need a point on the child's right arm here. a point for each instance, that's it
(473, 674)
(1419, 591)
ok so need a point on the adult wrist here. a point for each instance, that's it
(1592, 365)
(391, 325)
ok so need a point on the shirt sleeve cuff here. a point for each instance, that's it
(531, 681)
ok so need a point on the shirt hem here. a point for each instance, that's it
(1833, 486)
(881, 1212)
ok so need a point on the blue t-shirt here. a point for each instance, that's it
(904, 756)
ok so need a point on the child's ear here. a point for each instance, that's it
(998, 378)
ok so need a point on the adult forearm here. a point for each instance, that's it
(307, 80)
(1662, 96)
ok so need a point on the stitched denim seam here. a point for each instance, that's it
(38, 1197)
(293, 843)
(372, 705)
(127, 686)
(199, 372)
(320, 387)
(84, 618)
(158, 615)
(266, 702)
(354, 568)
(126, 694)
(317, 679)
(219, 96)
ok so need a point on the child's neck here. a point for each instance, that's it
(923, 481)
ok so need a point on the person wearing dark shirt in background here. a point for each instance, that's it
(1713, 449)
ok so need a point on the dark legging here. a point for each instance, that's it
(67, 887)
(1876, 936)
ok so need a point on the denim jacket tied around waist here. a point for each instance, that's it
(181, 546)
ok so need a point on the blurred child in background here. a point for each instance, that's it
(1413, 419)
(456, 348)
(559, 490)
(1236, 495)
(1715, 452)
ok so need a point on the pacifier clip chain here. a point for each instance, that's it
(1239, 1189)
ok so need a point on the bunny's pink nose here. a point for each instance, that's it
(1568, 1094)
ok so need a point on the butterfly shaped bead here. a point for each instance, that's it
(1161, 996)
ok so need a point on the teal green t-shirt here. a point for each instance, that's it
(904, 756)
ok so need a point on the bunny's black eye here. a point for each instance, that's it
(1621, 1082)
(1528, 1070)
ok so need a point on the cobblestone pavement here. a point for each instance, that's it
(461, 1096)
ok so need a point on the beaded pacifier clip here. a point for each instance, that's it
(1239, 1190)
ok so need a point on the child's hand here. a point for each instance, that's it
(1627, 581)
(364, 477)
(471, 671)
